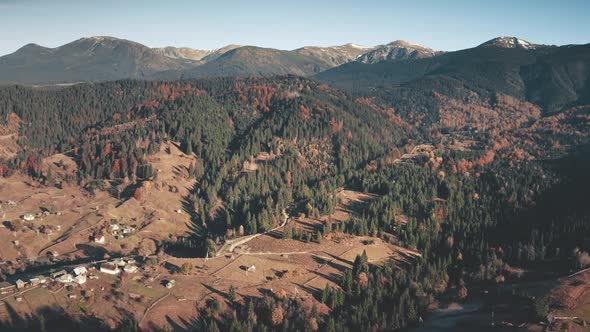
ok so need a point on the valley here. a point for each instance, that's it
(343, 188)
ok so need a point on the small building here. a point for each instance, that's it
(65, 279)
(109, 268)
(80, 279)
(20, 284)
(170, 283)
(80, 270)
(6, 287)
(251, 268)
(130, 268)
(128, 230)
(38, 280)
(114, 229)
(119, 262)
(99, 238)
(29, 217)
(58, 274)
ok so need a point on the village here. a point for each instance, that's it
(78, 275)
(91, 253)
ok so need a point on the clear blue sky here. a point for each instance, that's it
(443, 25)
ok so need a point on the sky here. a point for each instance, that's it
(285, 24)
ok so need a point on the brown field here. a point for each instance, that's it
(8, 146)
(300, 273)
(570, 300)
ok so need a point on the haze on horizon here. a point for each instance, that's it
(289, 25)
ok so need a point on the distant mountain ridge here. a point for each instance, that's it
(105, 58)
(86, 59)
(193, 54)
(549, 76)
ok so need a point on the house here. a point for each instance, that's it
(28, 217)
(80, 280)
(80, 270)
(58, 274)
(20, 284)
(130, 268)
(99, 238)
(38, 280)
(65, 279)
(114, 228)
(6, 287)
(128, 230)
(109, 268)
(119, 262)
(169, 284)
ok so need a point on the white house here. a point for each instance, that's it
(28, 217)
(130, 268)
(66, 279)
(114, 228)
(119, 262)
(128, 230)
(81, 279)
(80, 270)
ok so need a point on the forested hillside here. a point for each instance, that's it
(466, 176)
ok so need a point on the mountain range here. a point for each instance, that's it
(107, 58)
(550, 76)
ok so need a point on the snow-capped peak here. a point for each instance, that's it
(510, 42)
(362, 47)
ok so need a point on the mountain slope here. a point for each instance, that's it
(549, 76)
(186, 53)
(86, 59)
(257, 61)
(335, 55)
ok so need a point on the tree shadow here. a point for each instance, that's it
(54, 319)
